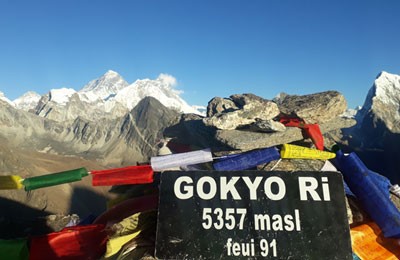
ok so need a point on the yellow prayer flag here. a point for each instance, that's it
(291, 151)
(115, 244)
(10, 182)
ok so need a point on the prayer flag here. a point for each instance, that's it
(165, 162)
(247, 160)
(372, 191)
(310, 130)
(116, 243)
(128, 175)
(368, 243)
(48, 180)
(79, 242)
(298, 152)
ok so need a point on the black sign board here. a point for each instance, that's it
(252, 215)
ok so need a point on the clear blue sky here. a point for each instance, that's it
(213, 48)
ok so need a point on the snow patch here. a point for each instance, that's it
(27, 101)
(61, 96)
(351, 113)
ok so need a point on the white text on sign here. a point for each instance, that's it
(206, 188)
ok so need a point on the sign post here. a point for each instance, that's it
(252, 215)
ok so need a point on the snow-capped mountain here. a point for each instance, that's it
(162, 88)
(386, 89)
(27, 101)
(351, 113)
(382, 104)
(110, 96)
(103, 88)
(4, 98)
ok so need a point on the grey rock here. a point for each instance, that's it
(241, 100)
(251, 108)
(191, 130)
(220, 105)
(314, 108)
(245, 140)
(267, 126)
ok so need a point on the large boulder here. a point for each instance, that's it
(250, 107)
(219, 105)
(314, 108)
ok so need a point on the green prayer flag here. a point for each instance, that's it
(54, 179)
(16, 249)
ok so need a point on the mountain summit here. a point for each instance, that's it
(382, 104)
(105, 87)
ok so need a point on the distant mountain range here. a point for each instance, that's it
(109, 96)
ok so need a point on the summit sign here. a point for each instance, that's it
(252, 215)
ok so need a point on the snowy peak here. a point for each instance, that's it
(382, 104)
(27, 101)
(162, 88)
(104, 87)
(387, 88)
(4, 98)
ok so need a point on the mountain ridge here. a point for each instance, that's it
(108, 96)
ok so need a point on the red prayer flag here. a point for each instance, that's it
(315, 134)
(127, 175)
(78, 242)
(310, 130)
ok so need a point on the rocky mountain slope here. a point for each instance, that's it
(121, 140)
(377, 134)
(381, 109)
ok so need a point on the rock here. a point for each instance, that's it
(251, 108)
(315, 108)
(219, 105)
(245, 140)
(242, 100)
(191, 130)
(267, 126)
